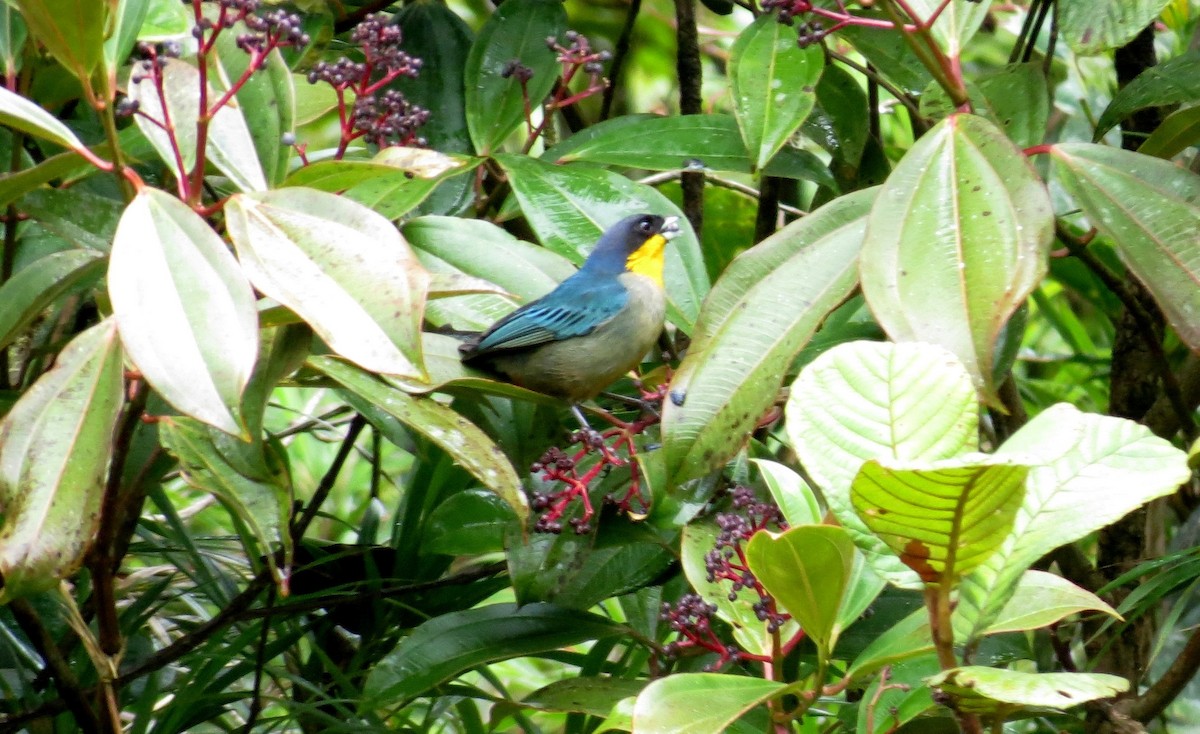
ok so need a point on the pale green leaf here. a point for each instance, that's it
(37, 285)
(698, 703)
(25, 115)
(1094, 26)
(994, 690)
(1040, 599)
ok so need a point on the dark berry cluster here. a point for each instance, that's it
(727, 560)
(691, 618)
(557, 466)
(810, 33)
(578, 52)
(274, 29)
(382, 117)
(514, 68)
(788, 9)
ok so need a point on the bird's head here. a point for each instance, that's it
(634, 245)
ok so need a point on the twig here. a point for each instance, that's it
(300, 525)
(1183, 668)
(901, 96)
(689, 72)
(620, 51)
(260, 662)
(725, 183)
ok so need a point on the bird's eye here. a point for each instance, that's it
(646, 225)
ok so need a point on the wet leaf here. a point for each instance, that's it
(698, 703)
(73, 31)
(37, 285)
(25, 115)
(1094, 26)
(993, 690)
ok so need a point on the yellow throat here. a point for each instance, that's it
(647, 260)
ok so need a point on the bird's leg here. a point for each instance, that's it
(642, 404)
(592, 438)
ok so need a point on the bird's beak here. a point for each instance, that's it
(670, 228)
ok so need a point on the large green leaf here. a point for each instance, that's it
(73, 31)
(760, 314)
(1039, 600)
(796, 500)
(437, 36)
(907, 639)
(267, 101)
(446, 646)
(867, 400)
(958, 22)
(1174, 81)
(479, 248)
(25, 115)
(1151, 210)
(470, 447)
(127, 19)
(229, 146)
(408, 177)
(341, 267)
(569, 207)
(184, 308)
(807, 569)
(958, 237)
(516, 32)
(943, 518)
(595, 695)
(1110, 466)
(1096, 26)
(749, 631)
(660, 143)
(13, 34)
(699, 703)
(1178, 132)
(37, 285)
(774, 85)
(55, 446)
(999, 691)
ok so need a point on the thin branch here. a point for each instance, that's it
(1155, 700)
(71, 695)
(620, 52)
(904, 98)
(323, 489)
(690, 73)
(725, 183)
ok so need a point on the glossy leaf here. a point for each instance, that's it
(774, 85)
(594, 695)
(1109, 465)
(229, 146)
(867, 400)
(750, 632)
(516, 32)
(470, 447)
(956, 24)
(71, 30)
(267, 102)
(1039, 600)
(1177, 133)
(905, 640)
(988, 690)
(444, 370)
(796, 500)
(25, 115)
(569, 207)
(446, 646)
(37, 285)
(1174, 81)
(236, 475)
(55, 446)
(958, 238)
(470, 522)
(902, 694)
(1151, 210)
(13, 34)
(944, 518)
(1015, 97)
(341, 267)
(760, 314)
(479, 248)
(127, 19)
(437, 36)
(698, 703)
(1095, 26)
(807, 569)
(412, 176)
(185, 310)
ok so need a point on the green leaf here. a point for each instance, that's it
(238, 475)
(774, 85)
(37, 285)
(958, 237)
(944, 518)
(867, 400)
(698, 703)
(593, 695)
(184, 309)
(905, 640)
(410, 175)
(127, 19)
(1180, 131)
(446, 646)
(13, 34)
(795, 498)
(470, 447)
(807, 569)
(437, 36)
(569, 207)
(1015, 97)
(479, 248)
(341, 267)
(902, 694)
(229, 146)
(767, 305)
(957, 23)
(55, 446)
(468, 523)
(76, 215)
(267, 102)
(995, 690)
(1151, 209)
(749, 631)
(73, 31)
(889, 53)
(839, 122)
(654, 143)
(1174, 81)
(1094, 26)
(25, 115)
(1109, 465)
(516, 32)
(1039, 600)
(445, 370)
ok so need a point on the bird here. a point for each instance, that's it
(594, 327)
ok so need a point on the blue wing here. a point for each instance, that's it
(575, 308)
